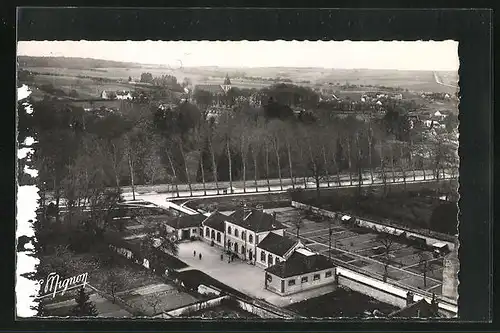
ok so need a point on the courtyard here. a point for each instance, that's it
(239, 275)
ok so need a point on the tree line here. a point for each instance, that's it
(81, 155)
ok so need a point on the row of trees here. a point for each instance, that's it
(80, 152)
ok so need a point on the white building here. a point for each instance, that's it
(274, 249)
(185, 227)
(247, 228)
(214, 228)
(303, 270)
(124, 95)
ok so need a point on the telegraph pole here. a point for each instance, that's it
(330, 232)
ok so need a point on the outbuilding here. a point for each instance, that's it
(185, 227)
(303, 270)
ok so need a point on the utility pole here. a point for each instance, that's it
(330, 232)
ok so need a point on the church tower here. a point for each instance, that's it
(227, 84)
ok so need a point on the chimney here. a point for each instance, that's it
(409, 298)
(309, 262)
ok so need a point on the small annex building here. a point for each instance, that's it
(303, 270)
(185, 227)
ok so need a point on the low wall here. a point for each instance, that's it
(384, 292)
(377, 226)
(195, 307)
(255, 309)
(267, 200)
(261, 311)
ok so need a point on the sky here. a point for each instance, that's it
(402, 55)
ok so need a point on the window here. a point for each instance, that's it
(242, 250)
(243, 235)
(236, 247)
(277, 260)
(304, 279)
(213, 234)
(269, 259)
(316, 277)
(207, 232)
(229, 230)
(250, 239)
(262, 256)
(194, 231)
(328, 274)
(218, 237)
(236, 233)
(291, 282)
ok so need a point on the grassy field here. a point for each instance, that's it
(412, 80)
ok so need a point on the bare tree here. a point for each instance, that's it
(386, 240)
(325, 161)
(349, 160)
(214, 163)
(153, 168)
(298, 223)
(391, 156)
(228, 151)
(289, 152)
(114, 283)
(174, 172)
(276, 146)
(154, 301)
(266, 147)
(188, 178)
(426, 265)
(370, 144)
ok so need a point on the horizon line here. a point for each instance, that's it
(242, 66)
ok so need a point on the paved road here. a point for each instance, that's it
(438, 81)
(210, 189)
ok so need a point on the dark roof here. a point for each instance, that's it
(217, 221)
(299, 264)
(277, 244)
(186, 221)
(213, 88)
(255, 220)
(412, 310)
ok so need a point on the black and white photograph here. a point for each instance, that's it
(239, 180)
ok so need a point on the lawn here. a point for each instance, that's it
(342, 302)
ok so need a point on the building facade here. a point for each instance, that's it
(275, 248)
(247, 228)
(303, 270)
(214, 229)
(185, 227)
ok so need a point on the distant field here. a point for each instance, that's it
(86, 88)
(411, 80)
